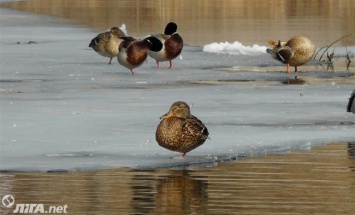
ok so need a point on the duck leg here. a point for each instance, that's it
(171, 65)
(158, 65)
(110, 60)
(288, 68)
(295, 68)
(132, 72)
(181, 156)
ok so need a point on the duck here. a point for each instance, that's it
(133, 52)
(180, 131)
(172, 45)
(295, 52)
(351, 104)
(106, 43)
(273, 43)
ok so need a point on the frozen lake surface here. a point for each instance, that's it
(64, 108)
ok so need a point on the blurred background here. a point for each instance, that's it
(201, 22)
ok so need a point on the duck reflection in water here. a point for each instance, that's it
(351, 150)
(174, 192)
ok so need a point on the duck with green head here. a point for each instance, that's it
(133, 52)
(172, 45)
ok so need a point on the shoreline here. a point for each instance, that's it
(209, 163)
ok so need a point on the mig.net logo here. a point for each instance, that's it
(8, 201)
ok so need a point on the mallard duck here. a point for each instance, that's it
(106, 43)
(351, 104)
(295, 52)
(172, 45)
(133, 52)
(179, 130)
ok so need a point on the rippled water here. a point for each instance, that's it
(205, 21)
(320, 181)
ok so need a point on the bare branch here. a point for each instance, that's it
(333, 44)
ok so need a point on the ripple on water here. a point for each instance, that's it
(319, 181)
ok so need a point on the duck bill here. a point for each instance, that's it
(167, 115)
(164, 116)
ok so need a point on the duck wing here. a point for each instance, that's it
(195, 128)
(282, 54)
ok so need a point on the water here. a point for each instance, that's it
(205, 21)
(73, 131)
(320, 181)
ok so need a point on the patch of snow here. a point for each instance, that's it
(235, 48)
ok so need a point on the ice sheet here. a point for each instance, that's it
(64, 108)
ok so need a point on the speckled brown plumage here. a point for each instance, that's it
(295, 52)
(106, 44)
(172, 45)
(179, 130)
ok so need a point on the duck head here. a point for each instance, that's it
(116, 31)
(155, 44)
(178, 109)
(170, 28)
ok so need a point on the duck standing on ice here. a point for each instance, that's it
(172, 45)
(179, 130)
(295, 52)
(106, 43)
(133, 52)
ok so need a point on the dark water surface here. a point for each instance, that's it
(320, 181)
(205, 21)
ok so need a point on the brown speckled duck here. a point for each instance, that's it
(172, 45)
(133, 52)
(351, 104)
(295, 52)
(106, 43)
(179, 130)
